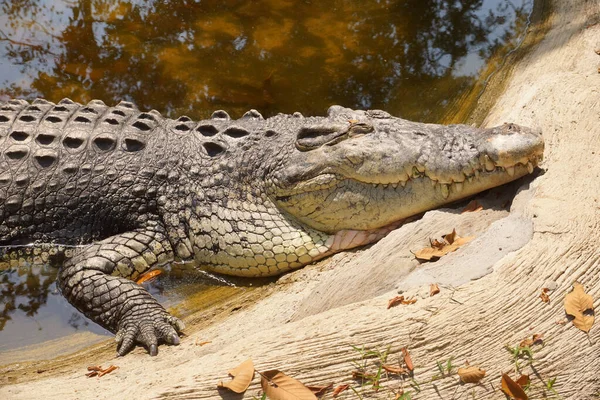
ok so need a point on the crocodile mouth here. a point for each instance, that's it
(453, 183)
(332, 202)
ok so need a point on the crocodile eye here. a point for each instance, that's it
(312, 137)
(360, 128)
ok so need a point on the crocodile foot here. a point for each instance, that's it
(148, 328)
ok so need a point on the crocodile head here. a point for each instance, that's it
(363, 170)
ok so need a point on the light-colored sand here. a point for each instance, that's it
(490, 297)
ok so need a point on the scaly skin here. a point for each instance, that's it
(250, 197)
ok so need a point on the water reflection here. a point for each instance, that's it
(414, 58)
(410, 57)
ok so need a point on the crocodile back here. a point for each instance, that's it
(73, 173)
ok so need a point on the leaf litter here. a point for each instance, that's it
(242, 376)
(471, 374)
(580, 306)
(437, 249)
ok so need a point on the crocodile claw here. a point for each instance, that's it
(149, 332)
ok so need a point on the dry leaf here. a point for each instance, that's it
(433, 289)
(407, 359)
(473, 206)
(449, 237)
(107, 371)
(242, 376)
(203, 343)
(535, 339)
(97, 370)
(544, 295)
(523, 380)
(394, 369)
(471, 374)
(339, 390)
(439, 249)
(436, 244)
(320, 390)
(576, 303)
(400, 300)
(148, 275)
(362, 375)
(512, 389)
(279, 386)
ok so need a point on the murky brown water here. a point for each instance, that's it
(415, 58)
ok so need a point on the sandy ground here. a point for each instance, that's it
(489, 289)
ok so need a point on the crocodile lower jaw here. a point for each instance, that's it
(453, 184)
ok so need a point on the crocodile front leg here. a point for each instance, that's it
(95, 281)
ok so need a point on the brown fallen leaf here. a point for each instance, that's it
(278, 386)
(512, 389)
(439, 249)
(400, 300)
(242, 376)
(433, 289)
(107, 371)
(362, 375)
(148, 275)
(577, 304)
(535, 339)
(450, 237)
(339, 389)
(320, 390)
(471, 374)
(203, 343)
(544, 295)
(436, 244)
(523, 380)
(473, 206)
(97, 370)
(394, 369)
(399, 395)
(407, 359)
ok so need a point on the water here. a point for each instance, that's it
(418, 59)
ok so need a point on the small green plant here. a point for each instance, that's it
(362, 363)
(445, 369)
(415, 385)
(519, 353)
(550, 387)
(369, 377)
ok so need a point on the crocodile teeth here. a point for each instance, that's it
(445, 190)
(489, 164)
(510, 170)
(530, 167)
(458, 186)
(385, 185)
(403, 183)
(394, 185)
(477, 173)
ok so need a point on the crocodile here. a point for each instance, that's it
(133, 191)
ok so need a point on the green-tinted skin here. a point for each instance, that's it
(250, 197)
